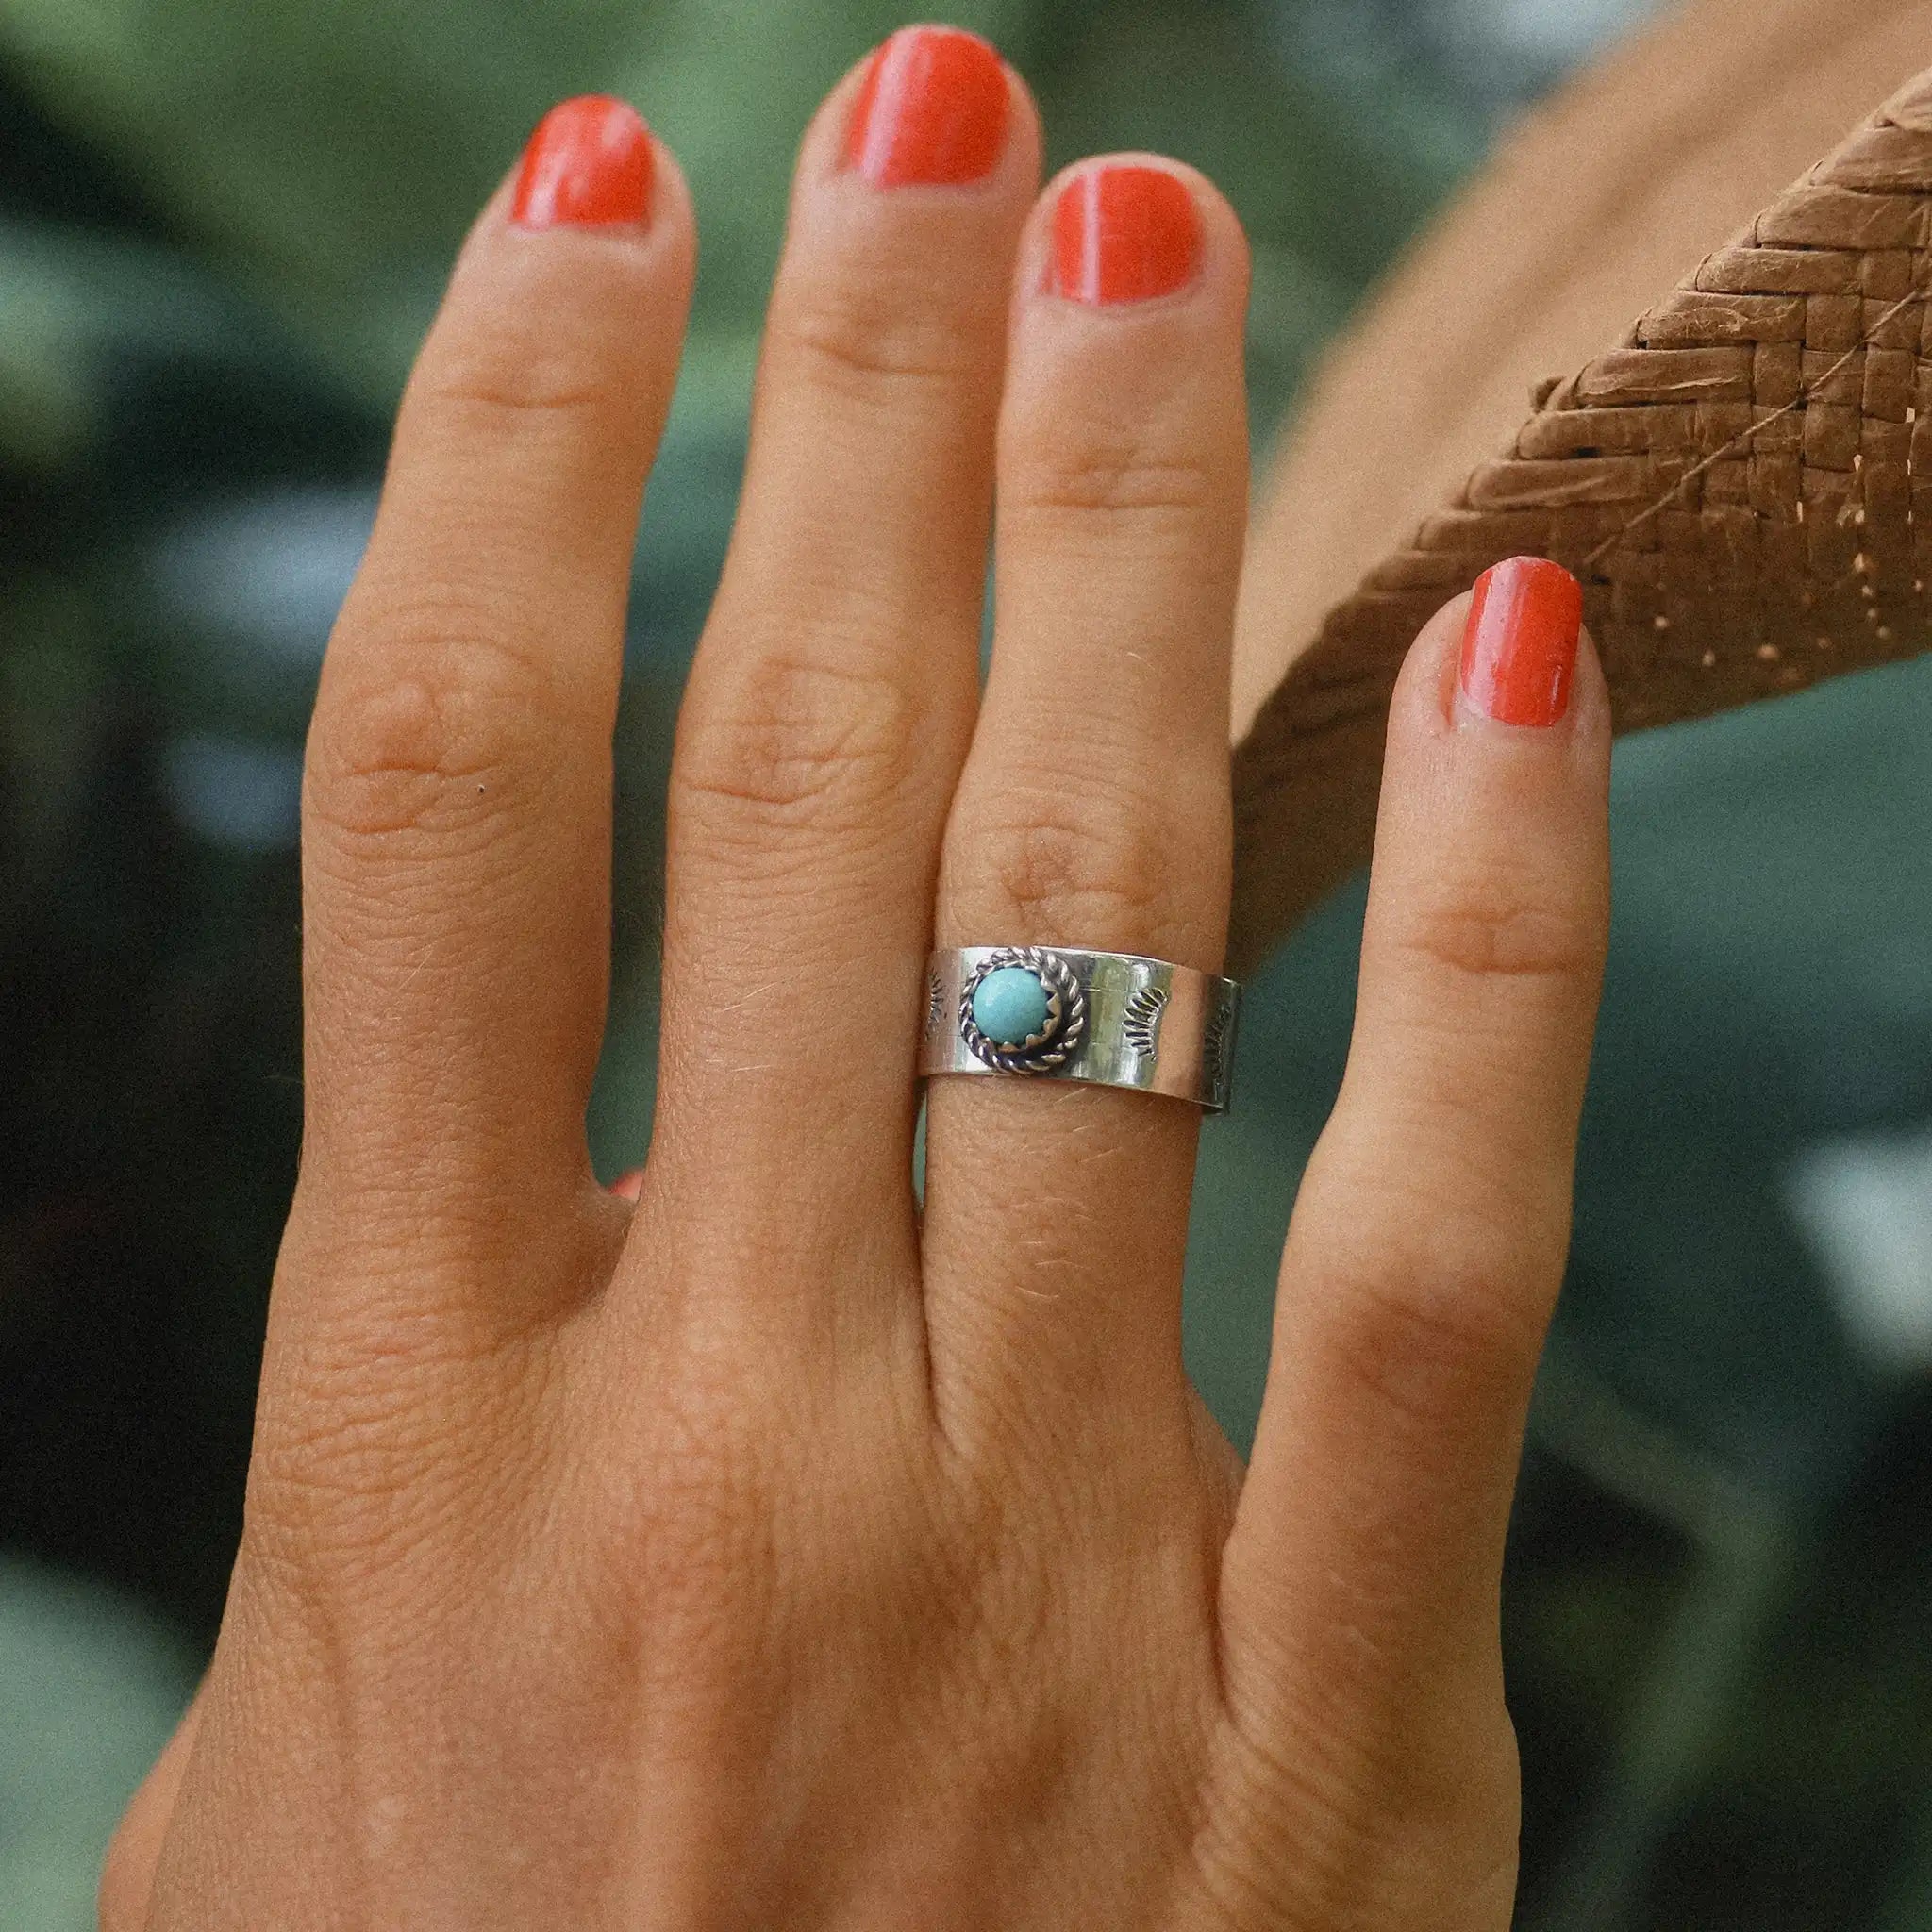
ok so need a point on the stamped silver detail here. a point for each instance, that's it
(1059, 1033)
(935, 1003)
(1215, 1042)
(1140, 1022)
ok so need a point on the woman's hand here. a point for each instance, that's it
(775, 1553)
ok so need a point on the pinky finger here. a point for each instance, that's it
(1431, 1232)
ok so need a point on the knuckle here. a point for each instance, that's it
(1386, 1826)
(1433, 1335)
(691, 1547)
(358, 1476)
(779, 743)
(506, 377)
(1499, 927)
(340, 1462)
(1089, 459)
(1097, 861)
(1120, 482)
(449, 736)
(866, 336)
(682, 1530)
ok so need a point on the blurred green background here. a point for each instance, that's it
(223, 225)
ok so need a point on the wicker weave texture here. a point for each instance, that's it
(1743, 485)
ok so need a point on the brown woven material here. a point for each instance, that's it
(1744, 486)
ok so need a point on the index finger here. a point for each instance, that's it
(457, 804)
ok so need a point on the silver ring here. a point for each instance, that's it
(1064, 1013)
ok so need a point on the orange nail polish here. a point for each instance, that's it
(589, 164)
(1123, 233)
(933, 111)
(1518, 647)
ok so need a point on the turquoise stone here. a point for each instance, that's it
(1010, 1005)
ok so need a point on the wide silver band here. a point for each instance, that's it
(1114, 1019)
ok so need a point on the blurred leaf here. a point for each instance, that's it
(72, 302)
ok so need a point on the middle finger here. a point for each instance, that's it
(1093, 810)
(833, 694)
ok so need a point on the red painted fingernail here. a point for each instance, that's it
(933, 111)
(627, 1187)
(1518, 647)
(588, 165)
(1123, 233)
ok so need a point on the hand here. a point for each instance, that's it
(780, 1552)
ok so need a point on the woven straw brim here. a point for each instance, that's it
(1743, 484)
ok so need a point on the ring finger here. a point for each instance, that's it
(1093, 809)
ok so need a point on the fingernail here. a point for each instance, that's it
(1518, 647)
(1123, 233)
(932, 111)
(588, 165)
(627, 1187)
